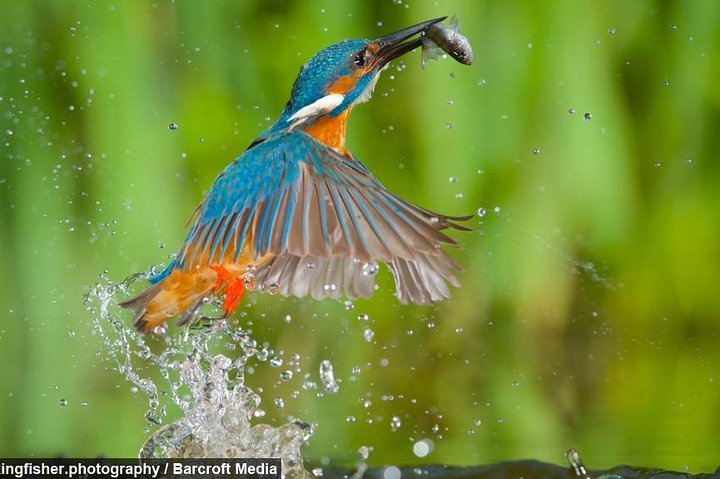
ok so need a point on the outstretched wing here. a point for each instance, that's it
(299, 203)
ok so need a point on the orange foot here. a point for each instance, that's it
(234, 288)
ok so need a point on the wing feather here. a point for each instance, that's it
(320, 217)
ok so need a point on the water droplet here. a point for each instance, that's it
(573, 458)
(452, 179)
(279, 403)
(286, 375)
(249, 281)
(423, 447)
(536, 151)
(84, 404)
(481, 212)
(173, 126)
(63, 402)
(391, 472)
(317, 472)
(363, 453)
(395, 423)
(350, 419)
(263, 353)
(673, 27)
(327, 377)
(273, 288)
(370, 268)
(515, 384)
(587, 116)
(612, 30)
(368, 334)
(330, 287)
(571, 111)
(666, 83)
(496, 209)
(363, 317)
(349, 305)
(276, 362)
(448, 125)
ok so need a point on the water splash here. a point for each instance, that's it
(327, 377)
(206, 385)
(578, 469)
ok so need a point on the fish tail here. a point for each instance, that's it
(429, 51)
(178, 294)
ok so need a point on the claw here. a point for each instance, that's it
(234, 288)
(223, 275)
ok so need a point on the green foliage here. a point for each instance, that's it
(588, 315)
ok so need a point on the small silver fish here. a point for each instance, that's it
(439, 38)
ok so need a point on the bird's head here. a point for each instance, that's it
(344, 74)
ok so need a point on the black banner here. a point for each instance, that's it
(251, 468)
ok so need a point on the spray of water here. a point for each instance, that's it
(208, 387)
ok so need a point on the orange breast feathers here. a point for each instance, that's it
(331, 131)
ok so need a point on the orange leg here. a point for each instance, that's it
(234, 288)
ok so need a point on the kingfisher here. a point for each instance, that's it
(297, 214)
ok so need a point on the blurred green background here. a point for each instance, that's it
(588, 132)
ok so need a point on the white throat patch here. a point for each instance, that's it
(368, 91)
(319, 107)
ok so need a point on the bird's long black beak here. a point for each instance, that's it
(394, 45)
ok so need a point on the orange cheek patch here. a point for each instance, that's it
(343, 85)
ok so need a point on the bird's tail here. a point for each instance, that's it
(179, 294)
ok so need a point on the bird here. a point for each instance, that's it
(298, 214)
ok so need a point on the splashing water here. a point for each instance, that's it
(327, 376)
(208, 387)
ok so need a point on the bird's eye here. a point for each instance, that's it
(359, 60)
